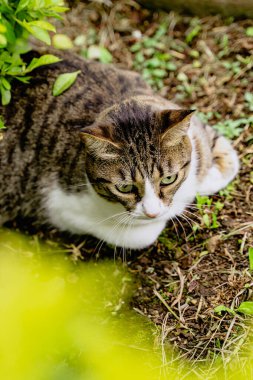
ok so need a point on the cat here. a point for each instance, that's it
(107, 158)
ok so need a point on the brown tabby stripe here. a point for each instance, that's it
(27, 124)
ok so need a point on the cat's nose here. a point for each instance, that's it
(151, 215)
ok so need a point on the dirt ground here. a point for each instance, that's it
(201, 260)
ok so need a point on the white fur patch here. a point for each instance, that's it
(88, 213)
(215, 180)
(150, 204)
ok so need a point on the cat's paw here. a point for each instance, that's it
(225, 167)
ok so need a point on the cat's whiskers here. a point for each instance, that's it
(178, 220)
(188, 221)
(125, 226)
(192, 214)
(175, 226)
(123, 217)
(110, 217)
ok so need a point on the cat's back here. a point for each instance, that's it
(97, 87)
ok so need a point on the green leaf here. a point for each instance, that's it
(206, 220)
(46, 59)
(6, 96)
(43, 25)
(5, 83)
(41, 34)
(249, 31)
(99, 52)
(24, 79)
(251, 258)
(9, 33)
(59, 9)
(193, 33)
(22, 5)
(3, 41)
(2, 126)
(64, 81)
(246, 308)
(61, 41)
(2, 28)
(219, 309)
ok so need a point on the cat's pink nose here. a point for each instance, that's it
(153, 215)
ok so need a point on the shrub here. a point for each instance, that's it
(19, 19)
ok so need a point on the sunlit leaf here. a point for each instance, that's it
(41, 34)
(246, 308)
(61, 41)
(5, 83)
(64, 81)
(22, 5)
(251, 258)
(6, 96)
(219, 309)
(249, 31)
(46, 59)
(100, 53)
(43, 25)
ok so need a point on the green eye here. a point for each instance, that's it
(168, 180)
(125, 188)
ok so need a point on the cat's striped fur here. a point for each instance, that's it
(63, 159)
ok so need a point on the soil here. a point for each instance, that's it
(199, 263)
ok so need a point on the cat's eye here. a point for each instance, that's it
(125, 188)
(168, 180)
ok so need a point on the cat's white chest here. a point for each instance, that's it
(88, 213)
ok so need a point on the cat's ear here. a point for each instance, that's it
(99, 140)
(175, 123)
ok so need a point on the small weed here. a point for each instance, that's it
(234, 67)
(168, 243)
(205, 117)
(250, 258)
(248, 96)
(2, 125)
(193, 31)
(249, 31)
(221, 308)
(228, 190)
(233, 128)
(224, 45)
(150, 58)
(246, 308)
(97, 52)
(209, 211)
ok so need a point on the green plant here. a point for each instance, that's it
(2, 126)
(248, 96)
(194, 30)
(151, 58)
(64, 81)
(245, 308)
(20, 19)
(209, 211)
(250, 258)
(233, 128)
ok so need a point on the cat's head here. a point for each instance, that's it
(140, 157)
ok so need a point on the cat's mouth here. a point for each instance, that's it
(146, 219)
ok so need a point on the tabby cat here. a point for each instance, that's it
(107, 157)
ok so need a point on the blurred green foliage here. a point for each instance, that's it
(63, 320)
(150, 58)
(20, 19)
